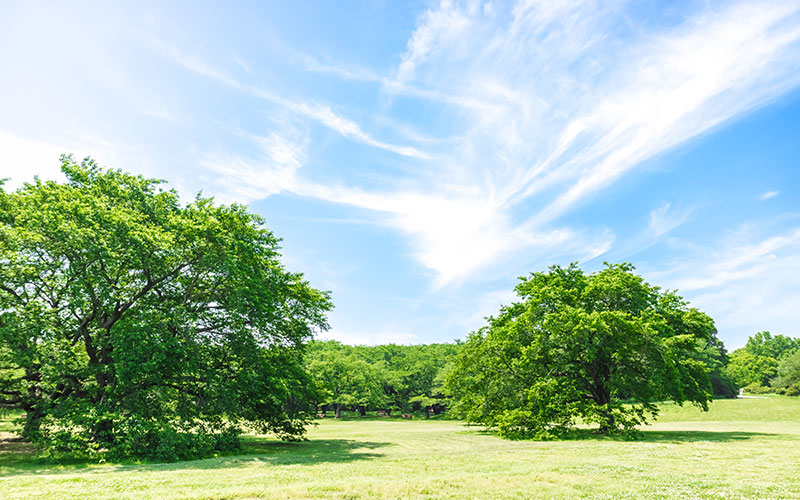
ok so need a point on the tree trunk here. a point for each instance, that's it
(362, 410)
(602, 397)
(338, 410)
(33, 421)
(104, 432)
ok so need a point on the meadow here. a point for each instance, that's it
(745, 448)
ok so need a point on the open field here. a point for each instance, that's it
(747, 448)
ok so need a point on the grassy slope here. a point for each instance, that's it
(746, 448)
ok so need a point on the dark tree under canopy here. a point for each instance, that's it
(136, 325)
(600, 348)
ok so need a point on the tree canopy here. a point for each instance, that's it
(765, 364)
(343, 379)
(133, 324)
(789, 374)
(599, 348)
(386, 377)
(771, 346)
(746, 368)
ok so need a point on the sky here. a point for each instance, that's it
(417, 157)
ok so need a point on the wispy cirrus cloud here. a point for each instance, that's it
(321, 113)
(573, 100)
(666, 218)
(769, 194)
(545, 105)
(241, 178)
(746, 281)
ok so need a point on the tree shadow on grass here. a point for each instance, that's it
(17, 457)
(678, 436)
(696, 436)
(309, 452)
(648, 436)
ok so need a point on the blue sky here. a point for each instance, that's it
(417, 157)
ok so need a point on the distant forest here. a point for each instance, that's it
(411, 378)
(392, 378)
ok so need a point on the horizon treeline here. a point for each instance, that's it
(390, 377)
(766, 364)
(410, 378)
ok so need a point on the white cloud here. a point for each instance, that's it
(570, 102)
(747, 282)
(22, 158)
(549, 103)
(320, 113)
(378, 337)
(437, 30)
(665, 218)
(161, 112)
(346, 127)
(244, 179)
(740, 258)
(457, 236)
(769, 194)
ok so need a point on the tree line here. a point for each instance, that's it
(766, 364)
(390, 378)
(135, 325)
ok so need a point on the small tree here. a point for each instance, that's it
(599, 348)
(746, 369)
(135, 324)
(788, 377)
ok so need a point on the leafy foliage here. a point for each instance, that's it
(134, 325)
(747, 369)
(342, 379)
(788, 377)
(599, 348)
(769, 346)
(388, 377)
(756, 366)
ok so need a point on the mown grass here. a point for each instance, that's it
(747, 448)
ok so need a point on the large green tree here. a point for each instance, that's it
(132, 323)
(600, 348)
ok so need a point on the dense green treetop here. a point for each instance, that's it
(343, 379)
(131, 321)
(767, 345)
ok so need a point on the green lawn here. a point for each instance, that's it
(747, 448)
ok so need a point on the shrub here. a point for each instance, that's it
(757, 388)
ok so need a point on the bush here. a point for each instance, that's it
(145, 439)
(157, 441)
(757, 388)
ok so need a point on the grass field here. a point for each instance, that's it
(747, 448)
